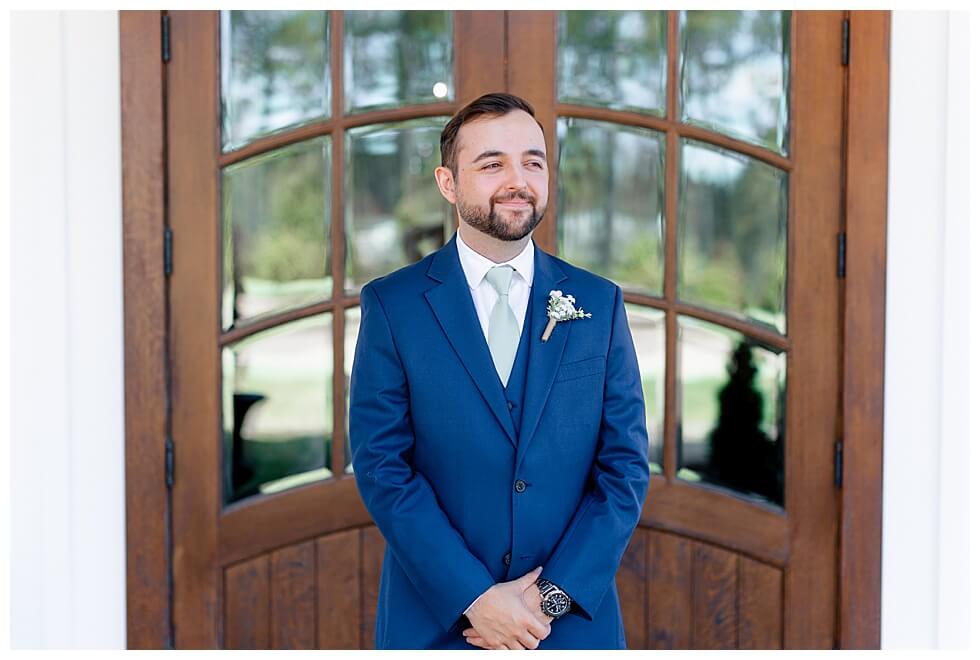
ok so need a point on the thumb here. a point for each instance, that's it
(528, 578)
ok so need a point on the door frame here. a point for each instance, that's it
(145, 289)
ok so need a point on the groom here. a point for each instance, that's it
(502, 455)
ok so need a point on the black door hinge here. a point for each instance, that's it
(838, 463)
(841, 253)
(845, 55)
(165, 37)
(169, 462)
(168, 251)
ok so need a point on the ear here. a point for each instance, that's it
(446, 183)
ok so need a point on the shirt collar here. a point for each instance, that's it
(476, 266)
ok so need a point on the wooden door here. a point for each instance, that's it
(698, 163)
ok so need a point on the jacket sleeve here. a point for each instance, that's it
(587, 556)
(400, 500)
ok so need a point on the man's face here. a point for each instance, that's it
(501, 187)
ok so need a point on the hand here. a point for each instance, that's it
(532, 599)
(502, 619)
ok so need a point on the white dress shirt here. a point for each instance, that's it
(476, 267)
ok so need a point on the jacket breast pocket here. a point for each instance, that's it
(581, 368)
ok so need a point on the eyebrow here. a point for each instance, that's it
(494, 153)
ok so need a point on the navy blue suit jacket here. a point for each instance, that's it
(436, 457)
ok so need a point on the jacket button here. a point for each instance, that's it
(519, 486)
(507, 559)
(510, 405)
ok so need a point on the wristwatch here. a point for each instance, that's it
(554, 601)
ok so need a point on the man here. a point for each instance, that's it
(502, 455)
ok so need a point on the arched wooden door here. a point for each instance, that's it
(697, 161)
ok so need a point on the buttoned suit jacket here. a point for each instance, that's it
(436, 456)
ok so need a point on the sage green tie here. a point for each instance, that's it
(503, 335)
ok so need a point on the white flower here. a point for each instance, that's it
(561, 308)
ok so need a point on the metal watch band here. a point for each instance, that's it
(554, 601)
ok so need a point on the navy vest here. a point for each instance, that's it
(514, 392)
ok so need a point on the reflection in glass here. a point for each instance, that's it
(732, 397)
(647, 327)
(275, 72)
(611, 201)
(276, 216)
(352, 323)
(394, 213)
(732, 226)
(394, 58)
(277, 408)
(613, 59)
(734, 71)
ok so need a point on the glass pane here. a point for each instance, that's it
(275, 72)
(647, 328)
(732, 226)
(394, 212)
(276, 216)
(613, 59)
(611, 202)
(352, 323)
(395, 58)
(732, 396)
(734, 70)
(277, 410)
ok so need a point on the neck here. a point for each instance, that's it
(494, 249)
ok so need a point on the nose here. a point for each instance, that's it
(515, 178)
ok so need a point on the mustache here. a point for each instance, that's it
(522, 196)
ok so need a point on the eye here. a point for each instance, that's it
(487, 167)
(537, 164)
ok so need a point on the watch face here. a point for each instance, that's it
(556, 604)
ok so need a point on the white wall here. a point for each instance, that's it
(67, 503)
(924, 556)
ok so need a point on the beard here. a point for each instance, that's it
(490, 223)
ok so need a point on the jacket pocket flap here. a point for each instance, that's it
(581, 368)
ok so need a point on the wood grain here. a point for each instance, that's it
(247, 605)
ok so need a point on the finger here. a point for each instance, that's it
(538, 629)
(478, 641)
(529, 641)
(469, 631)
(514, 645)
(528, 578)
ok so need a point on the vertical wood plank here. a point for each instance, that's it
(669, 591)
(247, 604)
(714, 618)
(193, 145)
(631, 583)
(813, 323)
(339, 606)
(293, 598)
(372, 555)
(144, 302)
(478, 51)
(531, 54)
(760, 605)
(864, 329)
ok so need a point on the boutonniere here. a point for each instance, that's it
(561, 308)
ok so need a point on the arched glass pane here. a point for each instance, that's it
(732, 234)
(275, 72)
(613, 59)
(611, 202)
(732, 397)
(647, 327)
(394, 212)
(277, 408)
(394, 58)
(734, 73)
(276, 226)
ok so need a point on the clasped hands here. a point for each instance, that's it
(508, 615)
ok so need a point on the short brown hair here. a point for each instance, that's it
(494, 104)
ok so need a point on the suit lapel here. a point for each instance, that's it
(452, 304)
(543, 357)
